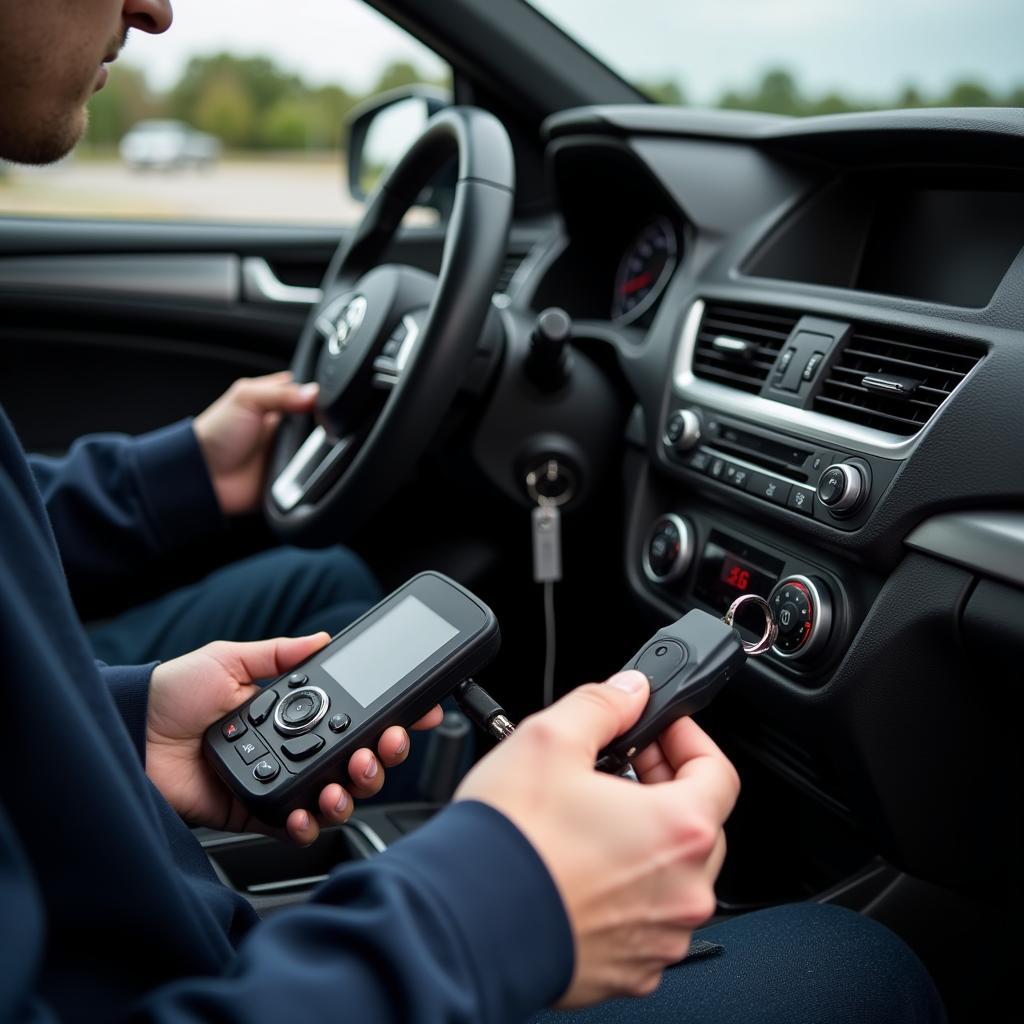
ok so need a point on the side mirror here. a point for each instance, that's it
(382, 128)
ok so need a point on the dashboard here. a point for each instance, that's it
(822, 326)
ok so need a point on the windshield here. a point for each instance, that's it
(806, 56)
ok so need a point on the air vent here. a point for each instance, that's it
(513, 260)
(894, 380)
(737, 345)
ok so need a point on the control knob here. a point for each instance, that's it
(668, 549)
(682, 431)
(802, 608)
(843, 488)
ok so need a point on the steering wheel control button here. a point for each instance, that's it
(661, 661)
(300, 749)
(668, 550)
(801, 499)
(802, 610)
(260, 708)
(297, 679)
(842, 488)
(683, 430)
(300, 711)
(769, 488)
(338, 723)
(266, 770)
(233, 728)
(250, 749)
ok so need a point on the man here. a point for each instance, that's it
(544, 882)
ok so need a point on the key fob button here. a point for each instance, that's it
(339, 723)
(303, 747)
(297, 679)
(261, 707)
(660, 661)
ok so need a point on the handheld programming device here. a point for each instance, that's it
(278, 750)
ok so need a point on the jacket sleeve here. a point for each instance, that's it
(129, 686)
(459, 922)
(117, 502)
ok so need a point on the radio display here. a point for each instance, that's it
(730, 568)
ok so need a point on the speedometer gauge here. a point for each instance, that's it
(644, 270)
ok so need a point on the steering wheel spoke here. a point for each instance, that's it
(315, 465)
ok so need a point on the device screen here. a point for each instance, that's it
(391, 648)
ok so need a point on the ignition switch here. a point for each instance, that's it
(551, 483)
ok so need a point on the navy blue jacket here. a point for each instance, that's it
(109, 909)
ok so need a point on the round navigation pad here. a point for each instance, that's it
(300, 710)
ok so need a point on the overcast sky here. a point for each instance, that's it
(869, 48)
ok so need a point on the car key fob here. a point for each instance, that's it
(687, 664)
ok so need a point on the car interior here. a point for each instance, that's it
(740, 352)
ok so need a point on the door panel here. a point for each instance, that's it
(125, 327)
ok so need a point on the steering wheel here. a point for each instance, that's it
(390, 345)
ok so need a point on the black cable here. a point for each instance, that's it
(483, 710)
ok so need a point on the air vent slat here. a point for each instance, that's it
(745, 371)
(938, 365)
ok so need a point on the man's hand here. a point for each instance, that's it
(236, 431)
(635, 865)
(189, 693)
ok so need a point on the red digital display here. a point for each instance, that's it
(735, 574)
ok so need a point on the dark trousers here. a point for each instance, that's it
(283, 592)
(795, 964)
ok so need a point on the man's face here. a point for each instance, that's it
(52, 54)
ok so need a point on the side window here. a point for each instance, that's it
(236, 114)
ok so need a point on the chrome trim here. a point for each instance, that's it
(297, 730)
(285, 884)
(691, 435)
(986, 542)
(821, 624)
(389, 369)
(261, 284)
(852, 495)
(683, 559)
(202, 277)
(367, 833)
(286, 490)
(766, 413)
(726, 344)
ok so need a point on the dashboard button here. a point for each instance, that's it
(740, 477)
(717, 468)
(801, 499)
(700, 461)
(767, 487)
(812, 366)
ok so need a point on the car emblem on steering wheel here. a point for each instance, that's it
(338, 331)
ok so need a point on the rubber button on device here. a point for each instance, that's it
(250, 749)
(661, 661)
(303, 747)
(266, 770)
(297, 679)
(339, 723)
(233, 729)
(261, 707)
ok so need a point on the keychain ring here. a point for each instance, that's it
(771, 630)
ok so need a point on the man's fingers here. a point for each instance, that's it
(710, 785)
(276, 393)
(336, 805)
(302, 828)
(683, 740)
(264, 659)
(393, 747)
(591, 716)
(431, 720)
(365, 773)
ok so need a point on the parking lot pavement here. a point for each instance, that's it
(295, 190)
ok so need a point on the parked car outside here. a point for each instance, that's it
(166, 145)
